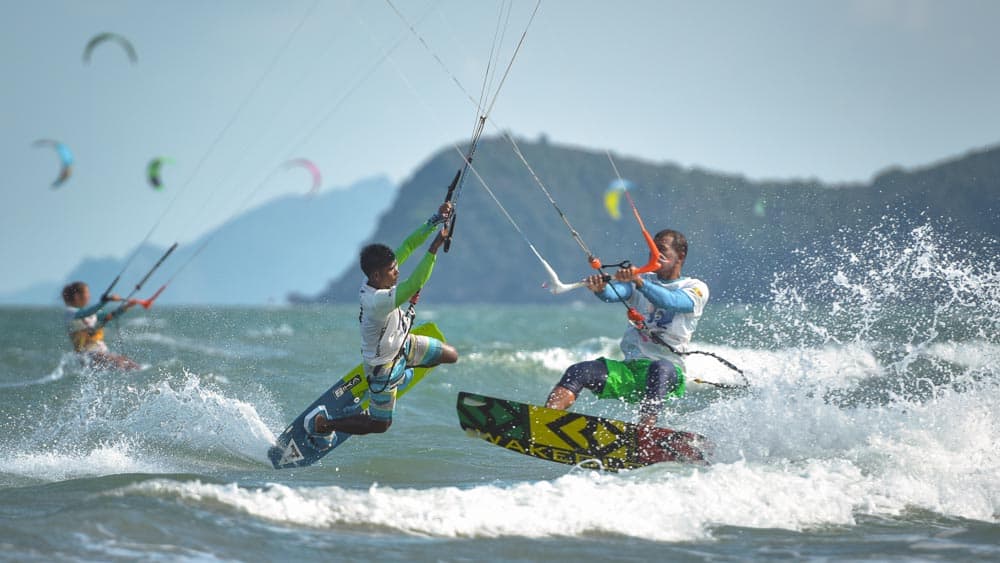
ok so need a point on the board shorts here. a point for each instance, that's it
(626, 380)
(385, 380)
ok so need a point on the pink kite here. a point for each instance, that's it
(312, 168)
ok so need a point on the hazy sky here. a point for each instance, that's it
(229, 90)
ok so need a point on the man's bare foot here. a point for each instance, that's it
(322, 425)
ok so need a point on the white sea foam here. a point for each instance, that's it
(652, 505)
(557, 359)
(283, 329)
(840, 365)
(976, 354)
(201, 418)
(61, 463)
(163, 426)
(788, 461)
(68, 362)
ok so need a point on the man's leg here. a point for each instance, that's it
(358, 424)
(377, 420)
(382, 390)
(560, 398)
(662, 379)
(590, 374)
(425, 351)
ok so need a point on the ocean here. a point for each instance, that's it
(870, 431)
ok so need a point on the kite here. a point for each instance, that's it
(613, 195)
(312, 168)
(65, 158)
(153, 171)
(103, 37)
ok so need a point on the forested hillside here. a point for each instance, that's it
(740, 232)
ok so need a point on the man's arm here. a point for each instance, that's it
(600, 285)
(411, 285)
(608, 295)
(117, 312)
(415, 239)
(672, 299)
(418, 236)
(87, 311)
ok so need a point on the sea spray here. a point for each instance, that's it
(156, 420)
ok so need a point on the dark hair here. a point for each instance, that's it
(677, 241)
(72, 290)
(374, 257)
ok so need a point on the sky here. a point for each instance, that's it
(230, 90)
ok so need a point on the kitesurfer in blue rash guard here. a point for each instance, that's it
(388, 349)
(652, 370)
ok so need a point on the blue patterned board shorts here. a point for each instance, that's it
(387, 379)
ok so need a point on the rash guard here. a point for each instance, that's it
(671, 309)
(384, 324)
(86, 334)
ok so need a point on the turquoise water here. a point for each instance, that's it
(870, 432)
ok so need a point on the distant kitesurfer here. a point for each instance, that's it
(388, 350)
(86, 327)
(652, 370)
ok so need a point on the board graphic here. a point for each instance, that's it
(293, 447)
(573, 438)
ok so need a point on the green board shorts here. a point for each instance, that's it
(627, 380)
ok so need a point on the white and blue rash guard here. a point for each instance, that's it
(671, 310)
(384, 324)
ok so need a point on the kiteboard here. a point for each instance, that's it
(574, 438)
(293, 448)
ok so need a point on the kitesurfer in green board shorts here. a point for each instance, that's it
(652, 370)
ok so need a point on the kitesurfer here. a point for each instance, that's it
(669, 306)
(388, 349)
(85, 326)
